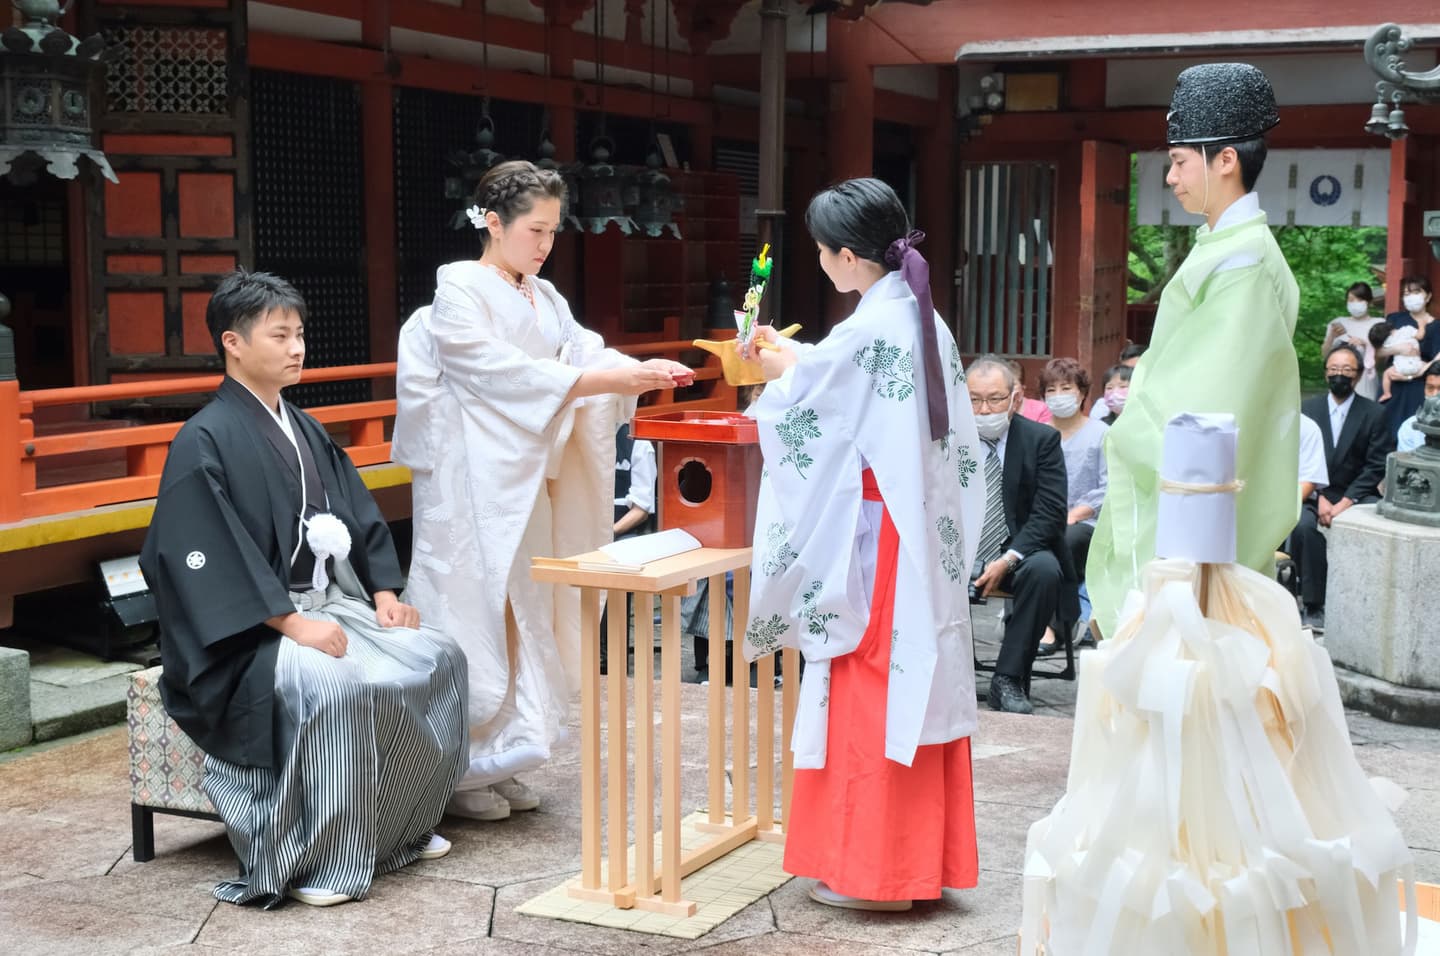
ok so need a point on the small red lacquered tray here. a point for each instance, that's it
(720, 428)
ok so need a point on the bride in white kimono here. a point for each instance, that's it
(868, 520)
(506, 416)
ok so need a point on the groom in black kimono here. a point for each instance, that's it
(334, 725)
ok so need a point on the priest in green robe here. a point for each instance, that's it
(1222, 340)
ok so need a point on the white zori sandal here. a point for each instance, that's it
(821, 893)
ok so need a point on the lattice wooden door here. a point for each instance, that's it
(175, 125)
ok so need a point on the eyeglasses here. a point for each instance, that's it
(1347, 371)
(996, 402)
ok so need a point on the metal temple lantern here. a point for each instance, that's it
(48, 79)
(469, 168)
(655, 200)
(567, 174)
(1385, 53)
(602, 195)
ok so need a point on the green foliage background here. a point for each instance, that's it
(1324, 259)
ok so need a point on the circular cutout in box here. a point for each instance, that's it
(694, 481)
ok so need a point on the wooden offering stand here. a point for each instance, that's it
(724, 450)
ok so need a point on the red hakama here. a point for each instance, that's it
(864, 825)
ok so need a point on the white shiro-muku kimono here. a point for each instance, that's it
(853, 401)
(504, 469)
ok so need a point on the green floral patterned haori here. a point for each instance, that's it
(797, 427)
(778, 553)
(815, 620)
(951, 544)
(891, 369)
(764, 635)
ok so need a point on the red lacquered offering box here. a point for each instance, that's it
(709, 474)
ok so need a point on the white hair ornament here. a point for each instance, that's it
(477, 216)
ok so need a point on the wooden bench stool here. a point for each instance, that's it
(166, 767)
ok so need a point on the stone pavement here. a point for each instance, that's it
(68, 884)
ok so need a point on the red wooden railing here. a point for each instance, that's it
(145, 447)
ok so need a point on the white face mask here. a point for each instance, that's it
(1063, 404)
(992, 426)
(1414, 302)
(1358, 309)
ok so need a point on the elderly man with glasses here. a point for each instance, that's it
(1356, 446)
(1022, 539)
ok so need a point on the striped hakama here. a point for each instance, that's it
(371, 747)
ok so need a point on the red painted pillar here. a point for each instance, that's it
(377, 118)
(850, 124)
(936, 169)
(1399, 261)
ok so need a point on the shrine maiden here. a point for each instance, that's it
(506, 416)
(868, 521)
(333, 723)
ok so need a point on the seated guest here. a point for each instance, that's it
(333, 724)
(634, 507)
(1065, 385)
(1117, 391)
(1314, 475)
(1356, 445)
(1032, 409)
(1410, 437)
(1129, 358)
(1022, 540)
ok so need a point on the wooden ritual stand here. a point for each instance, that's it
(669, 579)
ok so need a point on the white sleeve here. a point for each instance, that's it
(642, 477)
(1098, 409)
(1312, 454)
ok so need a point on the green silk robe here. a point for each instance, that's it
(1222, 343)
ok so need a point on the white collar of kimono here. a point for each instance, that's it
(282, 417)
(888, 286)
(1246, 207)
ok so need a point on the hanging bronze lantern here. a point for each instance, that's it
(655, 201)
(567, 173)
(48, 78)
(470, 167)
(602, 191)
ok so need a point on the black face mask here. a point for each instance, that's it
(1341, 386)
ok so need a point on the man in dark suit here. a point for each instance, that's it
(1022, 540)
(1356, 446)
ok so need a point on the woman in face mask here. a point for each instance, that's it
(1066, 384)
(1408, 391)
(1354, 328)
(1117, 392)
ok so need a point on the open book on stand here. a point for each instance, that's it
(631, 555)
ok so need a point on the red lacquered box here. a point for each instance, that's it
(709, 474)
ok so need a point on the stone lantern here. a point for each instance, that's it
(1412, 478)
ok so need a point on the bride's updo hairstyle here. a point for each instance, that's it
(511, 189)
(862, 215)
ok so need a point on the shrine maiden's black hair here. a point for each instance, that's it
(510, 190)
(862, 215)
(242, 297)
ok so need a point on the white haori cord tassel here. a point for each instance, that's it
(328, 538)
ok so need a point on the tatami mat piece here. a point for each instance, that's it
(719, 891)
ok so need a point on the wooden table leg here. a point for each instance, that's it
(590, 738)
(670, 748)
(789, 699)
(740, 714)
(618, 818)
(644, 744)
(716, 596)
(765, 742)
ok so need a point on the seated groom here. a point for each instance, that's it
(1022, 539)
(334, 727)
